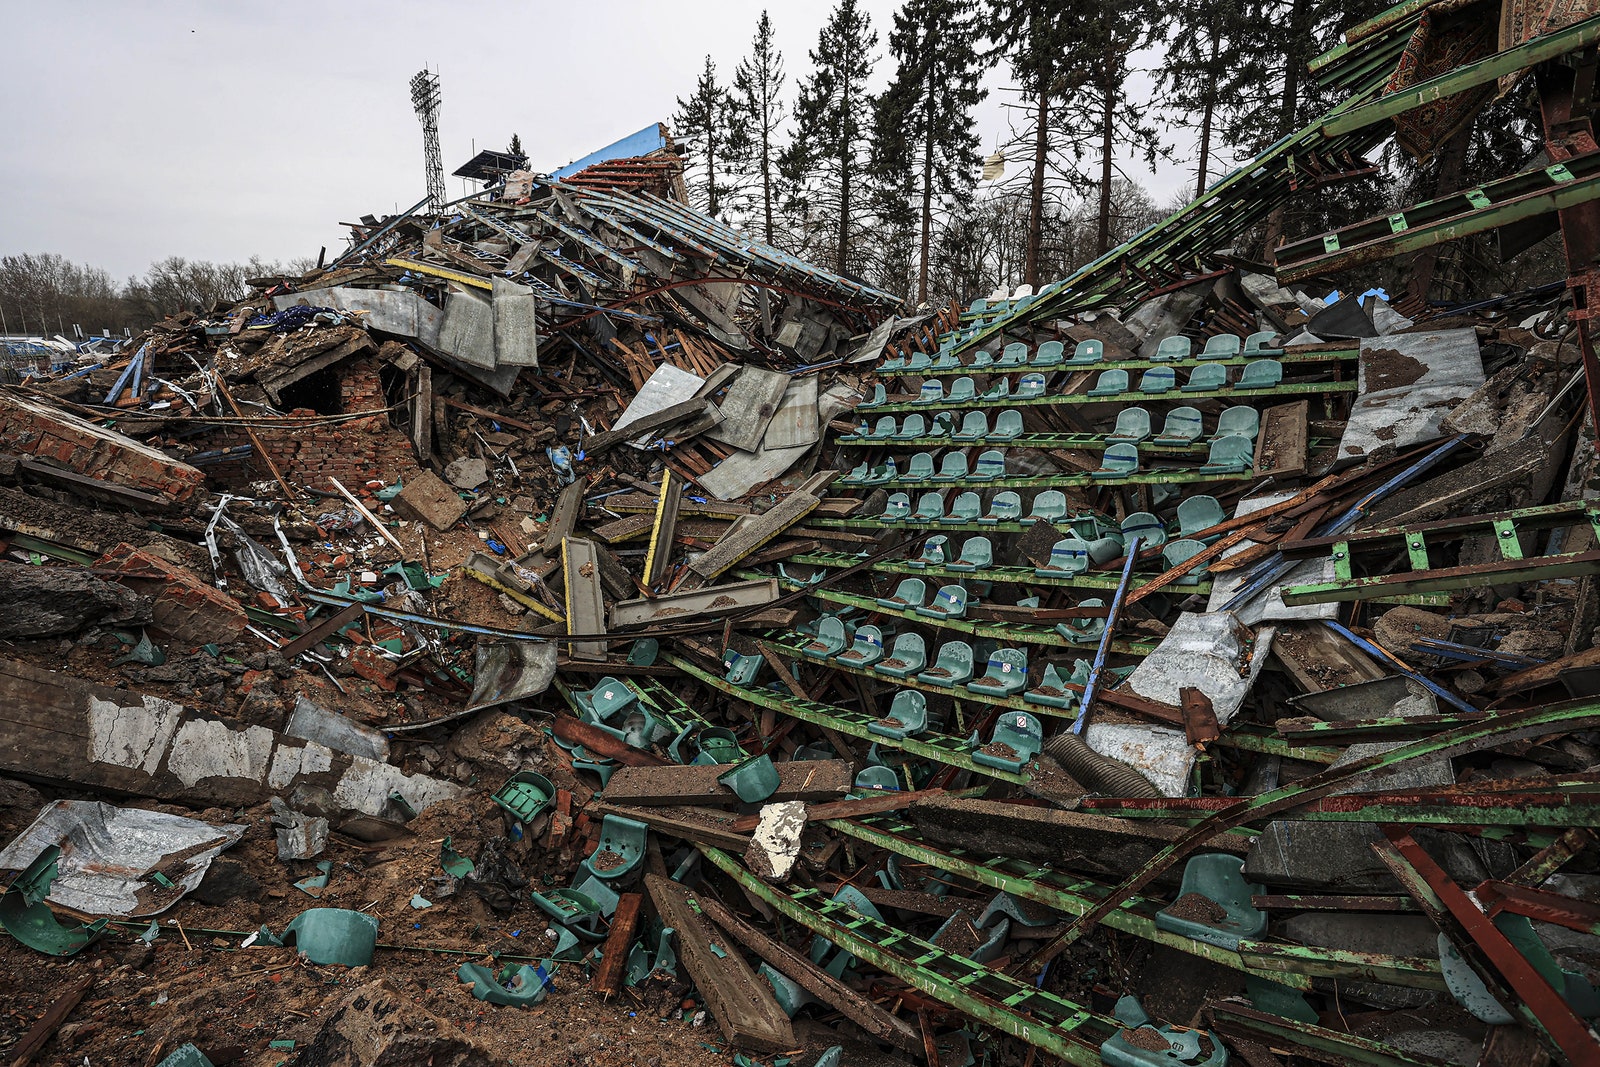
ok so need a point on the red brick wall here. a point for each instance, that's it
(353, 452)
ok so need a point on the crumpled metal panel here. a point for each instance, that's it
(1408, 383)
(107, 854)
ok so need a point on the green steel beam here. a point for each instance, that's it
(1012, 632)
(950, 751)
(1444, 579)
(1178, 396)
(1061, 890)
(1160, 476)
(1101, 580)
(1287, 357)
(1056, 1025)
(1552, 45)
(1432, 223)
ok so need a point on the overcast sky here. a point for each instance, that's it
(216, 131)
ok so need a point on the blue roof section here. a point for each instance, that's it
(652, 138)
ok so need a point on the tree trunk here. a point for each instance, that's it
(1041, 158)
(1289, 104)
(1452, 162)
(711, 173)
(766, 167)
(927, 192)
(1207, 117)
(1108, 121)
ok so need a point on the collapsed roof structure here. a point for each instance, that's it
(1164, 667)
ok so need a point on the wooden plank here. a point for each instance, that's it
(741, 541)
(322, 631)
(814, 980)
(809, 780)
(504, 420)
(614, 953)
(40, 1032)
(1282, 444)
(624, 529)
(564, 519)
(586, 603)
(659, 556)
(701, 826)
(739, 999)
(850, 809)
(595, 740)
(660, 420)
(422, 414)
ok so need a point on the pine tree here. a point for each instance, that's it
(515, 148)
(703, 123)
(924, 145)
(758, 116)
(1042, 42)
(1207, 74)
(828, 117)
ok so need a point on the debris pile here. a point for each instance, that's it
(575, 632)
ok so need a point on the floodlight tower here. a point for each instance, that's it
(425, 100)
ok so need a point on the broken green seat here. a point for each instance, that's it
(1069, 557)
(882, 431)
(1007, 426)
(718, 745)
(26, 916)
(1222, 346)
(933, 552)
(1176, 347)
(1162, 1046)
(945, 361)
(606, 700)
(929, 509)
(982, 360)
(932, 392)
(1181, 551)
(1241, 419)
(1219, 878)
(1119, 461)
(739, 669)
(525, 795)
(333, 935)
(878, 398)
(1048, 506)
(910, 593)
(990, 465)
(882, 474)
(1048, 354)
(521, 987)
(1006, 674)
(896, 508)
(1206, 378)
(1150, 530)
(1015, 355)
(892, 365)
(919, 361)
(1112, 382)
(821, 947)
(832, 639)
(1260, 344)
(908, 656)
(920, 467)
(857, 475)
(966, 508)
(1005, 507)
(752, 780)
(1051, 691)
(789, 994)
(566, 906)
(908, 716)
(1200, 512)
(1086, 354)
(977, 553)
(950, 602)
(1084, 631)
(974, 427)
(953, 666)
(1030, 385)
(962, 391)
(911, 427)
(1017, 731)
(1260, 374)
(621, 848)
(1158, 380)
(998, 389)
(867, 648)
(1182, 427)
(1133, 424)
(1232, 454)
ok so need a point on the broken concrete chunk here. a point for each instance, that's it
(426, 498)
(775, 845)
(375, 1026)
(40, 602)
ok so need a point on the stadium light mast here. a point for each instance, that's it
(425, 100)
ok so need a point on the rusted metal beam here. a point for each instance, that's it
(1540, 904)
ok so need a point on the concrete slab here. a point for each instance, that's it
(426, 498)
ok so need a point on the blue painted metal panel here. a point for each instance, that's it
(650, 139)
